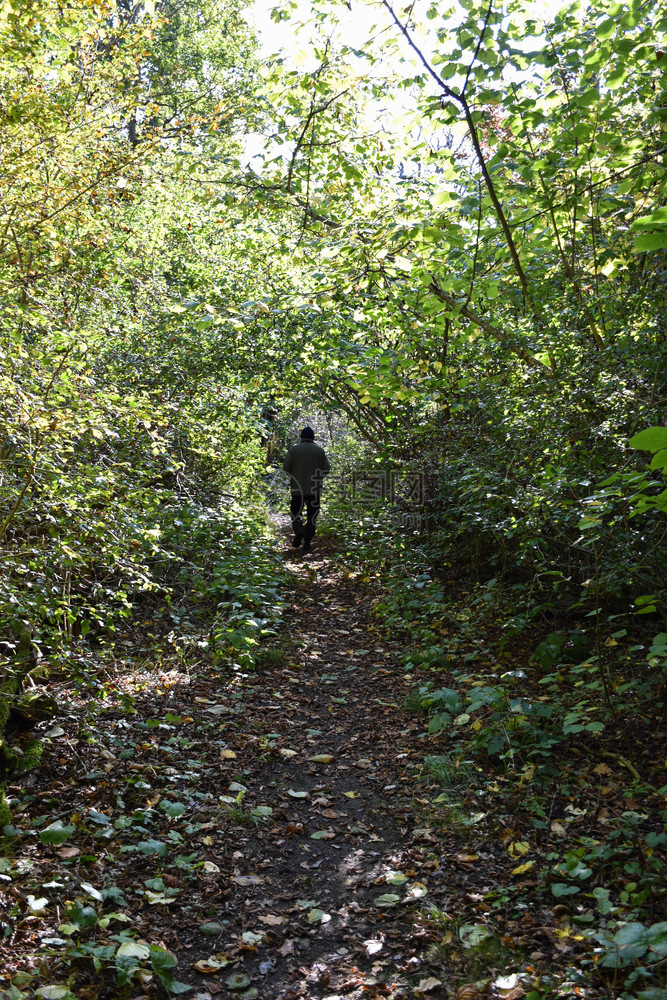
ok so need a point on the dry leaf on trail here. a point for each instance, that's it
(468, 992)
(211, 965)
(247, 879)
(373, 946)
(425, 985)
(296, 795)
(228, 754)
(287, 753)
(510, 987)
(351, 795)
(68, 852)
(271, 919)
(416, 891)
(387, 899)
(321, 758)
(507, 982)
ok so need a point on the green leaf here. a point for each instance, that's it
(561, 889)
(153, 847)
(588, 98)
(645, 242)
(396, 878)
(387, 899)
(173, 809)
(657, 939)
(56, 833)
(651, 439)
(98, 817)
(132, 949)
(162, 959)
(632, 941)
(261, 811)
(606, 29)
(472, 935)
(616, 78)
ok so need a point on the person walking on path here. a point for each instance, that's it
(306, 464)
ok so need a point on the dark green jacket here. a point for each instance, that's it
(307, 465)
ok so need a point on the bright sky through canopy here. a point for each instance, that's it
(355, 23)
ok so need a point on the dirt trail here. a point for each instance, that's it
(346, 869)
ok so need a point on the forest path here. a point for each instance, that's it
(273, 830)
(330, 889)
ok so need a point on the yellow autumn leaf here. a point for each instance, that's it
(229, 754)
(518, 848)
(321, 758)
(351, 795)
(522, 869)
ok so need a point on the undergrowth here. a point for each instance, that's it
(545, 721)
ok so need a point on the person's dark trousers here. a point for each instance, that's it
(312, 505)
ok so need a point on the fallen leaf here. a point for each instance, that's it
(424, 985)
(212, 964)
(271, 920)
(247, 879)
(296, 795)
(387, 899)
(252, 939)
(37, 906)
(373, 946)
(68, 852)
(468, 992)
(507, 982)
(229, 754)
(416, 891)
(322, 758)
(287, 753)
(351, 795)
(522, 869)
(395, 878)
(238, 981)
